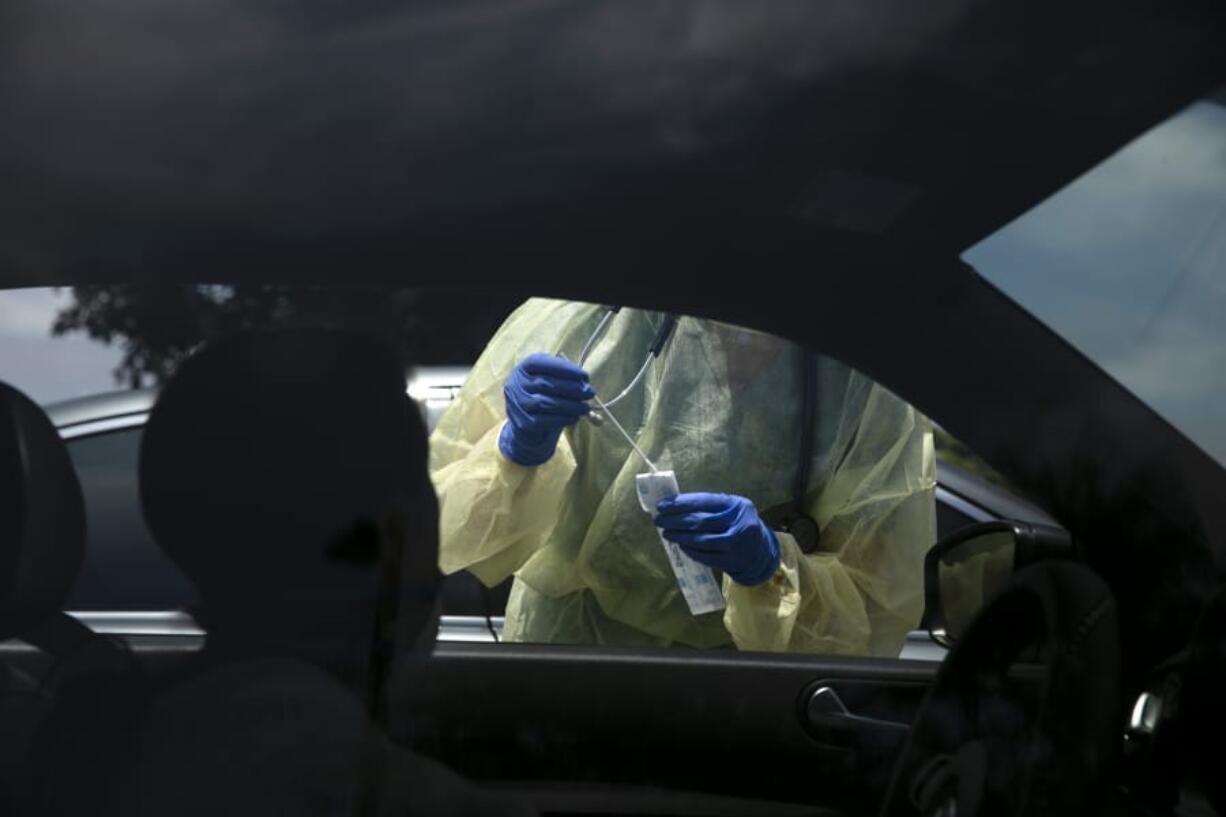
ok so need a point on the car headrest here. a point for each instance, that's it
(42, 517)
(272, 462)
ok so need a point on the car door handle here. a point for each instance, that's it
(829, 721)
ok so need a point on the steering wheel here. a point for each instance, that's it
(1024, 715)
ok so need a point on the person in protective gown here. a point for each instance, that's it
(723, 408)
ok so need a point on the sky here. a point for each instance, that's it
(1128, 263)
(48, 369)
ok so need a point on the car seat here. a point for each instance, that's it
(285, 472)
(42, 516)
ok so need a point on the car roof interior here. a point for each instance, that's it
(930, 127)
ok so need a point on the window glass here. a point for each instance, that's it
(1126, 264)
(88, 354)
(543, 532)
(807, 491)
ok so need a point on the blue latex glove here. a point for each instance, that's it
(544, 395)
(723, 531)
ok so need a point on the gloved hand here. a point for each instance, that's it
(722, 531)
(544, 395)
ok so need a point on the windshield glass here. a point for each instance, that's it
(1128, 263)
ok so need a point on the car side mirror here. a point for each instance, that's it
(965, 569)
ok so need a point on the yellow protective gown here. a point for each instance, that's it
(722, 408)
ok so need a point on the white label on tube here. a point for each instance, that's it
(697, 582)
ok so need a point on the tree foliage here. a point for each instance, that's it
(157, 326)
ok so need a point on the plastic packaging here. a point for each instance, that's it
(697, 581)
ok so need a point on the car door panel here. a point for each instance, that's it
(724, 722)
